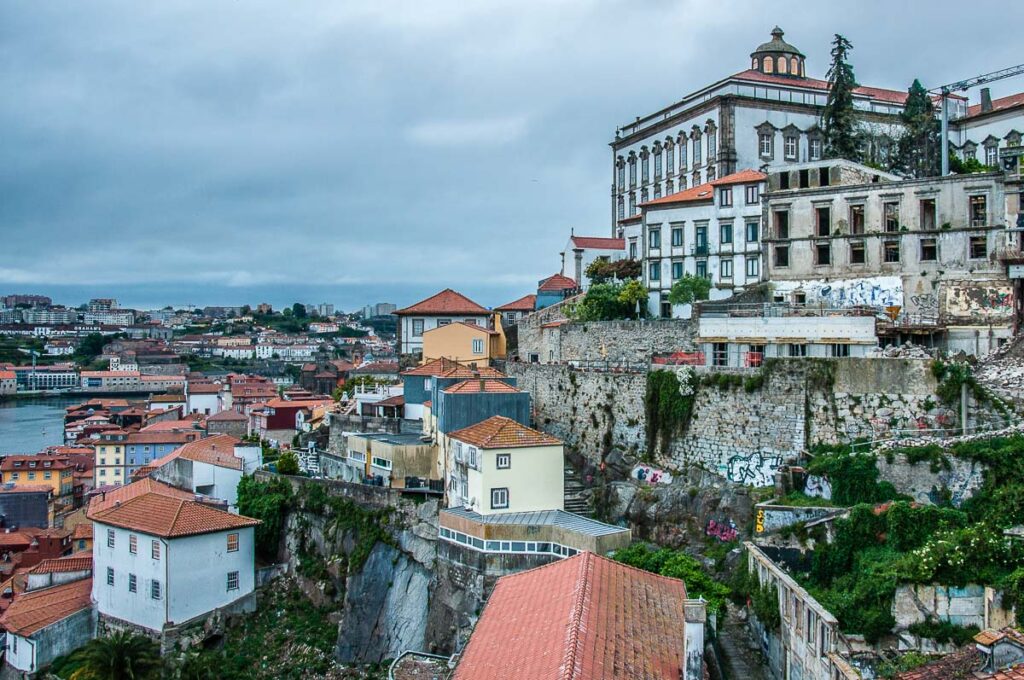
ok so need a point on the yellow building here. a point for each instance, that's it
(465, 342)
(501, 466)
(48, 471)
(110, 450)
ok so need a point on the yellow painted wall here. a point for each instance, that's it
(535, 480)
(455, 341)
(109, 458)
(61, 481)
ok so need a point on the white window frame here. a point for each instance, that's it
(478, 346)
(233, 581)
(499, 498)
(503, 461)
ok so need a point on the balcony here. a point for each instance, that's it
(699, 249)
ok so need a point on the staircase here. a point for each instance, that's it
(574, 501)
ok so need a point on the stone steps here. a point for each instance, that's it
(573, 500)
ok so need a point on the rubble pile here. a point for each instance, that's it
(906, 351)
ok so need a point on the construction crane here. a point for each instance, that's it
(962, 86)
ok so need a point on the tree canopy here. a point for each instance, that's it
(918, 150)
(838, 120)
(689, 289)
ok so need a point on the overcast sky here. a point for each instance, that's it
(211, 151)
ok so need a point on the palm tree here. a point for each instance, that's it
(122, 656)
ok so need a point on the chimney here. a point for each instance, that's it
(986, 100)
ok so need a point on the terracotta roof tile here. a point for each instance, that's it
(447, 301)
(470, 372)
(700, 193)
(109, 499)
(741, 177)
(599, 242)
(881, 94)
(37, 609)
(499, 432)
(81, 531)
(397, 400)
(583, 618)
(557, 282)
(217, 450)
(998, 104)
(433, 367)
(481, 385)
(959, 665)
(63, 565)
(226, 416)
(204, 388)
(630, 218)
(527, 303)
(160, 515)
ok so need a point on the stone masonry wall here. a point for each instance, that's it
(605, 340)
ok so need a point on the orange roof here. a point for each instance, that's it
(26, 488)
(527, 303)
(469, 372)
(204, 388)
(64, 564)
(13, 538)
(583, 618)
(37, 609)
(18, 463)
(160, 515)
(599, 242)
(8, 375)
(499, 432)
(164, 437)
(187, 425)
(433, 367)
(557, 282)
(217, 450)
(224, 416)
(81, 531)
(998, 104)
(959, 664)
(481, 385)
(122, 494)
(741, 177)
(447, 301)
(700, 193)
(631, 218)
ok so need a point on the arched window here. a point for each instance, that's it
(783, 65)
(753, 63)
(794, 66)
(620, 173)
(632, 169)
(769, 63)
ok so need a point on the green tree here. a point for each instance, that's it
(634, 294)
(267, 502)
(918, 149)
(838, 120)
(122, 656)
(299, 310)
(90, 347)
(288, 463)
(602, 303)
(689, 289)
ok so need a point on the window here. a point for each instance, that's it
(781, 256)
(620, 174)
(110, 576)
(856, 219)
(839, 351)
(232, 580)
(133, 585)
(823, 220)
(753, 194)
(443, 322)
(478, 346)
(499, 498)
(654, 271)
(970, 152)
(232, 542)
(991, 156)
(133, 544)
(677, 236)
(632, 171)
(154, 550)
(978, 249)
(31, 475)
(657, 191)
(929, 250)
(154, 590)
(632, 249)
(979, 215)
(720, 354)
(725, 232)
(725, 197)
(928, 214)
(696, 152)
(765, 143)
(797, 349)
(47, 475)
(815, 149)
(712, 145)
(790, 147)
(891, 216)
(891, 251)
(382, 462)
(702, 268)
(503, 461)
(822, 254)
(670, 161)
(682, 155)
(677, 270)
(110, 538)
(620, 205)
(857, 252)
(632, 203)
(417, 328)
(726, 269)
(701, 239)
(657, 164)
(782, 224)
(752, 232)
(753, 267)
(654, 239)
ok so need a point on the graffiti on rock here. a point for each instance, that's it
(651, 475)
(724, 531)
(818, 487)
(757, 469)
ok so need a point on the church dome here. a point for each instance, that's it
(778, 57)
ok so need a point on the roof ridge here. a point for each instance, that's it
(177, 513)
(571, 663)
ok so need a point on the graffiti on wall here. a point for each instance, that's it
(724, 530)
(651, 475)
(979, 301)
(874, 291)
(759, 521)
(925, 303)
(818, 487)
(757, 469)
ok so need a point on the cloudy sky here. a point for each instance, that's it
(232, 151)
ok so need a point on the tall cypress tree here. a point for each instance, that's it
(919, 150)
(838, 122)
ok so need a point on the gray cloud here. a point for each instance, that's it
(262, 146)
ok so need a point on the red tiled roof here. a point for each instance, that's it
(218, 450)
(81, 531)
(631, 218)
(14, 538)
(469, 372)
(583, 618)
(700, 193)
(397, 400)
(527, 303)
(204, 388)
(26, 488)
(8, 375)
(187, 425)
(741, 177)
(881, 94)
(599, 242)
(1014, 673)
(447, 301)
(998, 104)
(164, 437)
(224, 416)
(62, 565)
(159, 515)
(557, 282)
(481, 385)
(960, 665)
(472, 326)
(433, 367)
(8, 464)
(377, 367)
(122, 494)
(499, 432)
(37, 609)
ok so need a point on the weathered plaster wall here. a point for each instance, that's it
(961, 606)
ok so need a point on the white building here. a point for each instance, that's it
(582, 251)
(766, 115)
(212, 467)
(161, 560)
(43, 624)
(990, 127)
(437, 310)
(712, 230)
(207, 398)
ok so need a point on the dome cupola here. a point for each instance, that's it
(778, 58)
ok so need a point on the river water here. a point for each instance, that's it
(30, 425)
